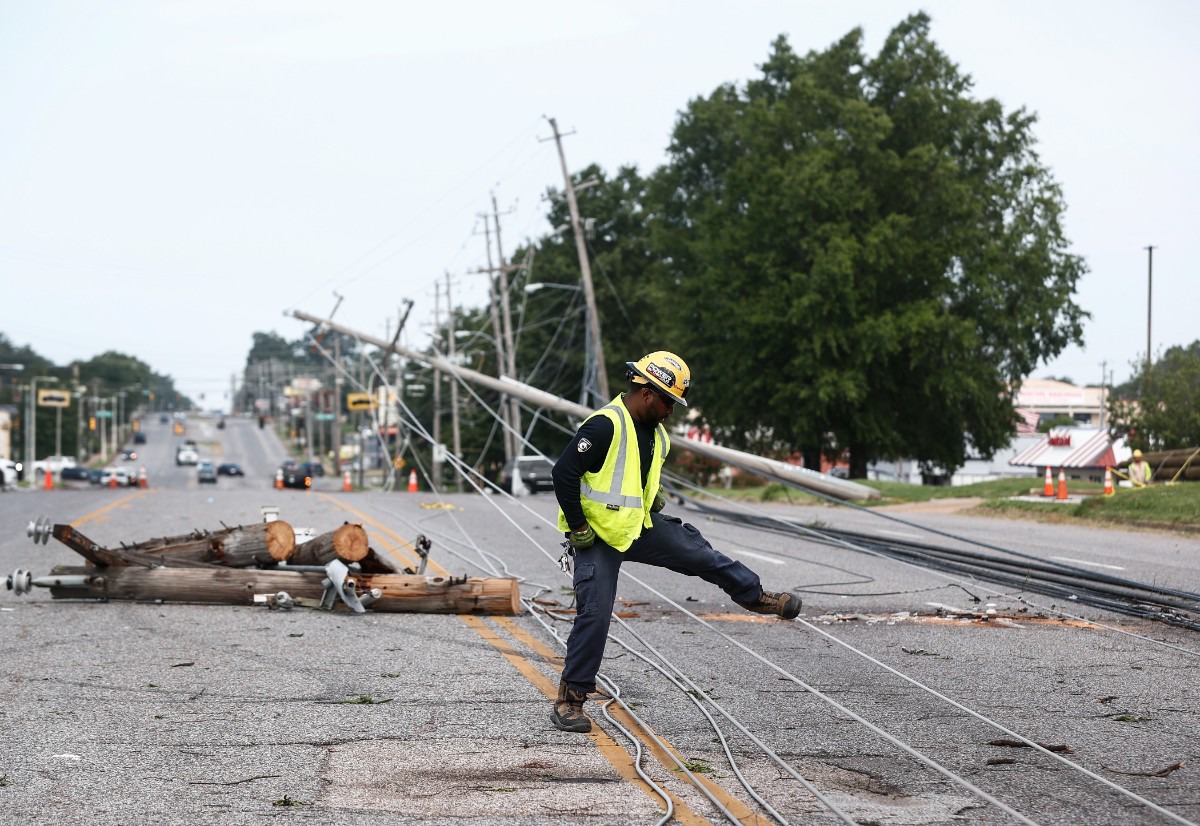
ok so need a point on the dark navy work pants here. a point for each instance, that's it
(670, 544)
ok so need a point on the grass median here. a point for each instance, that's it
(1171, 507)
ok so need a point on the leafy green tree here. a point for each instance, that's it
(861, 256)
(623, 262)
(1165, 413)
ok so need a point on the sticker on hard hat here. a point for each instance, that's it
(665, 376)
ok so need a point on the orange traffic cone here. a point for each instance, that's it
(1048, 490)
(112, 480)
(1062, 484)
(346, 481)
(143, 482)
(1108, 483)
(49, 480)
(412, 481)
(279, 479)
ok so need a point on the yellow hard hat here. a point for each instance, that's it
(1137, 454)
(664, 371)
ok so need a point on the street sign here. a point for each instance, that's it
(359, 401)
(323, 417)
(104, 414)
(53, 398)
(304, 384)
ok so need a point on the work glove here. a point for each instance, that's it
(582, 539)
(659, 503)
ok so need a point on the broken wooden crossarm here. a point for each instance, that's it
(239, 586)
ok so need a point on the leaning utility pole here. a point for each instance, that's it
(586, 272)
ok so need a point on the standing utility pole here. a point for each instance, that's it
(586, 272)
(1149, 297)
(510, 349)
(502, 333)
(435, 466)
(337, 394)
(454, 429)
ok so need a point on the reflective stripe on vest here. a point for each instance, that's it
(609, 497)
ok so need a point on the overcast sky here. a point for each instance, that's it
(175, 176)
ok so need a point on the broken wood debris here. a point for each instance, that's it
(263, 564)
(1160, 773)
(1021, 744)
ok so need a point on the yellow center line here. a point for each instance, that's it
(403, 546)
(735, 806)
(609, 749)
(124, 500)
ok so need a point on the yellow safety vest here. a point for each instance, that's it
(613, 500)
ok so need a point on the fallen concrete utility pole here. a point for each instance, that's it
(769, 468)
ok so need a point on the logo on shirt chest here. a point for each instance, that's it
(583, 445)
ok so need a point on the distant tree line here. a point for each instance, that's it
(100, 377)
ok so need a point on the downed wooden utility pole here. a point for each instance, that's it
(261, 543)
(265, 543)
(347, 543)
(399, 593)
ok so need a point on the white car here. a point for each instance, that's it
(8, 473)
(186, 455)
(120, 475)
(53, 463)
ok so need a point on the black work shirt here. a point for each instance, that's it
(585, 453)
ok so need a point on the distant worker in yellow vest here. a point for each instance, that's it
(1139, 470)
(608, 485)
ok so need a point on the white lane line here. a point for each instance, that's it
(1085, 562)
(770, 559)
(899, 534)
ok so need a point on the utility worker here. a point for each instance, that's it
(607, 482)
(1139, 470)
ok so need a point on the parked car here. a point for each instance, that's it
(535, 472)
(124, 479)
(55, 464)
(205, 472)
(8, 473)
(230, 469)
(313, 469)
(186, 455)
(296, 479)
(77, 473)
(139, 438)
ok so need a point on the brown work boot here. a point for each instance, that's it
(786, 605)
(568, 710)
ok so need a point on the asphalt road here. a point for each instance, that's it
(892, 697)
